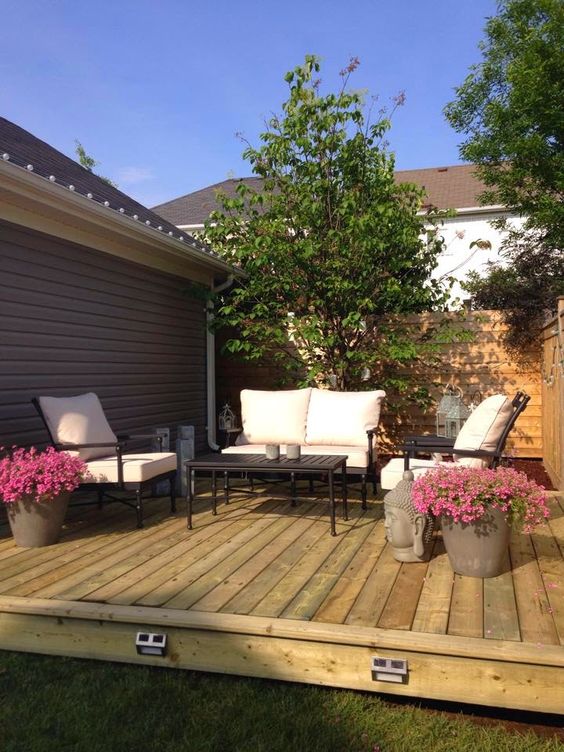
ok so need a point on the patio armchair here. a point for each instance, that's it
(480, 443)
(78, 425)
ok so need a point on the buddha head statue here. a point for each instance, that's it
(408, 531)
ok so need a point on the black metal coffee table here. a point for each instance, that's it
(258, 463)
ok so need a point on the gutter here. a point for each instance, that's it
(210, 365)
(21, 180)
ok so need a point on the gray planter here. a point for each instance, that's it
(34, 525)
(477, 549)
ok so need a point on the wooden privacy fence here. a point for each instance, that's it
(553, 397)
(482, 365)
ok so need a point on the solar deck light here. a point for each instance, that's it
(150, 643)
(389, 670)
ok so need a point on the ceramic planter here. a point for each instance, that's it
(37, 524)
(477, 549)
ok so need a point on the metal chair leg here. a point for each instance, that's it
(139, 507)
(100, 492)
(363, 490)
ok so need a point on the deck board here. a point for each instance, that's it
(263, 560)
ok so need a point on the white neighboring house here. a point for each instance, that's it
(455, 187)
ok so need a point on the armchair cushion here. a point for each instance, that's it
(392, 472)
(137, 468)
(277, 417)
(342, 418)
(79, 420)
(483, 429)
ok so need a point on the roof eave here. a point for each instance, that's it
(79, 206)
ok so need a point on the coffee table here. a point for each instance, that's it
(321, 464)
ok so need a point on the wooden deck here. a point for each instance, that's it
(264, 590)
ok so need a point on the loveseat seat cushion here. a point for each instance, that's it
(274, 417)
(356, 457)
(342, 418)
(483, 429)
(137, 468)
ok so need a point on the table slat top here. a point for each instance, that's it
(312, 462)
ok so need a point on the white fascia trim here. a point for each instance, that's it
(191, 227)
(80, 205)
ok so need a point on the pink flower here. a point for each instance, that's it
(465, 493)
(39, 475)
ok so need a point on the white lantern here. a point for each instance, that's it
(227, 419)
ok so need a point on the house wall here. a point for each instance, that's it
(76, 319)
(459, 259)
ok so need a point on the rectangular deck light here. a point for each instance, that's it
(149, 643)
(389, 670)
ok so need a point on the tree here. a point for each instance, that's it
(89, 163)
(331, 246)
(510, 109)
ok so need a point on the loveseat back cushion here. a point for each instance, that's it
(483, 429)
(79, 420)
(342, 417)
(274, 417)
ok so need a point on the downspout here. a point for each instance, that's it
(210, 364)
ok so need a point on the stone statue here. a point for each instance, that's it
(408, 531)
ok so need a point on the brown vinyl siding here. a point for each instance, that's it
(74, 319)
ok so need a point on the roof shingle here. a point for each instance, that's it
(23, 148)
(453, 187)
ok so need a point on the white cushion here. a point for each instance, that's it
(342, 418)
(275, 417)
(79, 420)
(483, 429)
(392, 472)
(356, 457)
(136, 467)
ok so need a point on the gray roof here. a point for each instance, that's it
(194, 208)
(454, 187)
(22, 148)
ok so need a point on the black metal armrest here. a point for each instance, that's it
(118, 448)
(88, 446)
(430, 440)
(125, 437)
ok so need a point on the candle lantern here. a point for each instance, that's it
(227, 420)
(451, 412)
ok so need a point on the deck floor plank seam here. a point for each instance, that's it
(306, 565)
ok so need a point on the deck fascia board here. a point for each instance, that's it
(291, 629)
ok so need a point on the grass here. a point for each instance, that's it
(49, 703)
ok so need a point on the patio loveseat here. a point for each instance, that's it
(320, 421)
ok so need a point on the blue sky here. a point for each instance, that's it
(156, 90)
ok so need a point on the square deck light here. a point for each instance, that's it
(149, 643)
